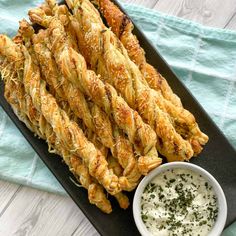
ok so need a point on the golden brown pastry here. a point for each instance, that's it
(88, 119)
(20, 101)
(93, 117)
(48, 11)
(64, 16)
(184, 122)
(66, 130)
(114, 165)
(93, 189)
(73, 67)
(105, 96)
(124, 75)
(23, 107)
(122, 26)
(92, 137)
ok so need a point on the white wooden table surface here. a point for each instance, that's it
(25, 211)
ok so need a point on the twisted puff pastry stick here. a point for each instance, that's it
(119, 147)
(15, 94)
(74, 68)
(112, 162)
(48, 11)
(184, 121)
(114, 165)
(106, 97)
(122, 26)
(23, 108)
(26, 31)
(51, 8)
(62, 13)
(66, 130)
(99, 44)
(55, 86)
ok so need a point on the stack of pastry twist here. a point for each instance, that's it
(89, 92)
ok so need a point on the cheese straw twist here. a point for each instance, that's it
(95, 119)
(54, 82)
(106, 97)
(26, 30)
(122, 26)
(26, 112)
(66, 130)
(63, 14)
(183, 120)
(108, 57)
(114, 165)
(50, 77)
(73, 67)
(44, 6)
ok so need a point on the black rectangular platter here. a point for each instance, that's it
(218, 157)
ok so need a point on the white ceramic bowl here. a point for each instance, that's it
(222, 205)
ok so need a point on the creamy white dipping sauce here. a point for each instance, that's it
(179, 202)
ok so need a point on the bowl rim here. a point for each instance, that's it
(222, 204)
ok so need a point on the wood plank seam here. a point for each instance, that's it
(229, 21)
(151, 6)
(11, 199)
(83, 221)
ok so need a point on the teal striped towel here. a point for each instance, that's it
(204, 59)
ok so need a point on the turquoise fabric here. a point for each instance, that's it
(204, 59)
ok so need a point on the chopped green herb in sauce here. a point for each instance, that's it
(179, 202)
